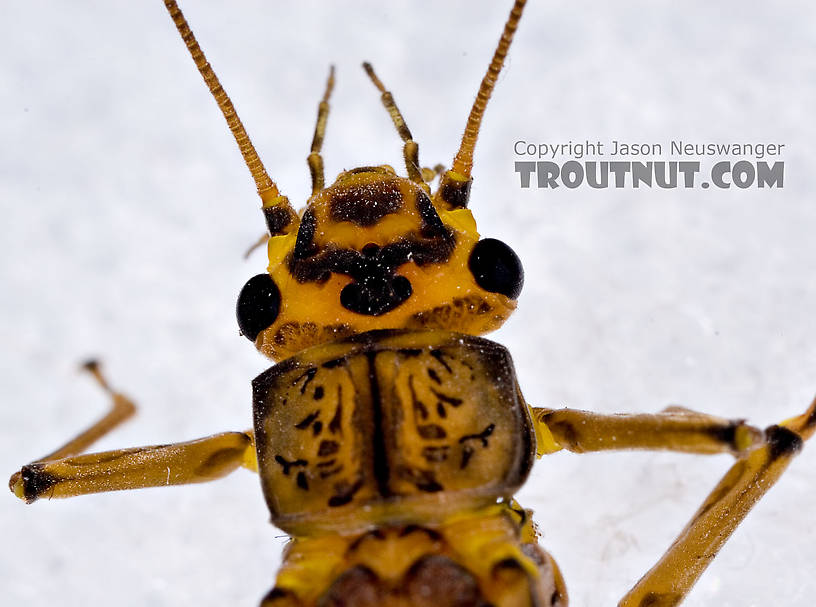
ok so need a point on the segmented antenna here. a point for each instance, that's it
(454, 186)
(314, 159)
(267, 189)
(410, 150)
(463, 161)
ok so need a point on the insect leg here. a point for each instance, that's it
(66, 473)
(510, 572)
(410, 150)
(724, 508)
(195, 461)
(121, 409)
(674, 429)
(308, 568)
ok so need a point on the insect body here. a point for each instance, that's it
(390, 438)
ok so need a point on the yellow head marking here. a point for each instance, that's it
(373, 252)
(379, 251)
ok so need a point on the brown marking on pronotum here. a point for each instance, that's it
(482, 436)
(344, 493)
(324, 474)
(467, 453)
(451, 400)
(418, 406)
(424, 480)
(380, 452)
(334, 363)
(307, 421)
(329, 468)
(435, 454)
(328, 447)
(439, 356)
(467, 450)
(335, 425)
(309, 375)
(301, 481)
(431, 431)
(287, 465)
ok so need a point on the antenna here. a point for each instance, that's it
(454, 188)
(276, 207)
(410, 150)
(314, 159)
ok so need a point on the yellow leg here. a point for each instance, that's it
(121, 409)
(195, 461)
(309, 566)
(482, 555)
(66, 473)
(675, 429)
(722, 511)
(492, 545)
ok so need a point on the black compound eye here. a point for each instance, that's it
(496, 268)
(258, 305)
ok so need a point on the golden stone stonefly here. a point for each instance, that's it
(390, 437)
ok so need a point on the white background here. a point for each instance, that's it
(126, 209)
